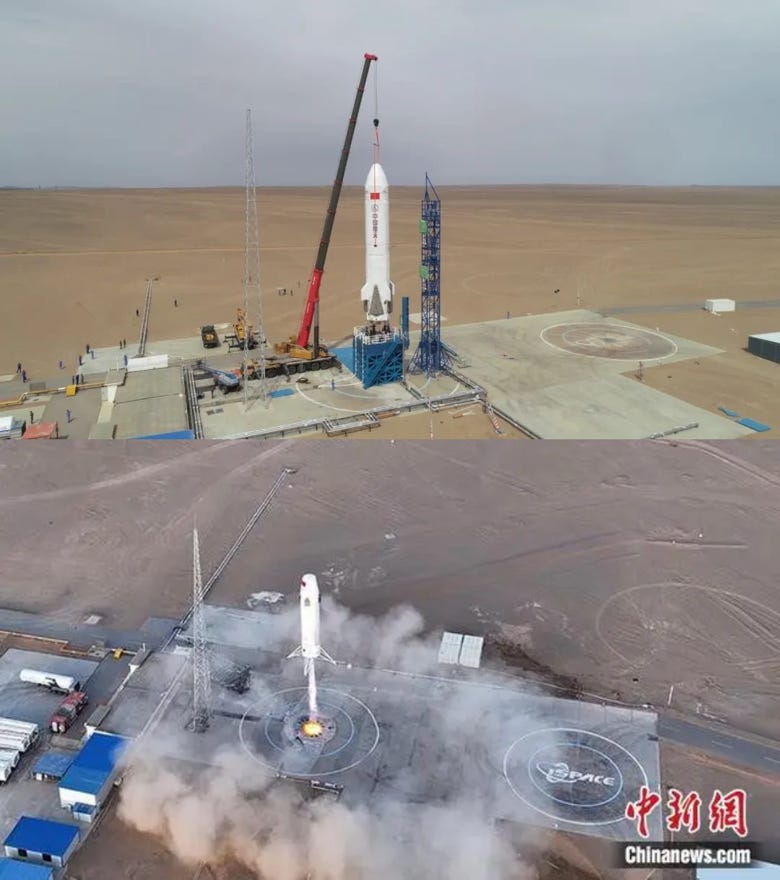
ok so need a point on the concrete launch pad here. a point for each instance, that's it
(519, 756)
(269, 733)
(560, 375)
(564, 375)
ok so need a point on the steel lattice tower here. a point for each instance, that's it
(201, 674)
(252, 265)
(431, 356)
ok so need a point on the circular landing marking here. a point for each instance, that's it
(640, 622)
(610, 341)
(567, 774)
(279, 716)
(551, 769)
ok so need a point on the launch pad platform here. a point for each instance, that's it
(575, 375)
(566, 375)
(516, 754)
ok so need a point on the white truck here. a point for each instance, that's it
(60, 684)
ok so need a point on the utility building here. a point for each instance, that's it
(51, 766)
(88, 781)
(765, 345)
(12, 869)
(42, 841)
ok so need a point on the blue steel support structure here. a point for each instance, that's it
(405, 320)
(431, 356)
(379, 357)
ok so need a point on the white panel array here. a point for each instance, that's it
(471, 651)
(450, 647)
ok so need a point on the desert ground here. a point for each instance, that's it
(73, 266)
(624, 566)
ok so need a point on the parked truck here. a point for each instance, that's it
(60, 684)
(209, 336)
(68, 711)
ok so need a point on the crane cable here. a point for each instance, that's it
(376, 119)
(376, 149)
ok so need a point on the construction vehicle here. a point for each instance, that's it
(60, 684)
(209, 336)
(69, 709)
(312, 357)
(288, 366)
(241, 330)
(224, 378)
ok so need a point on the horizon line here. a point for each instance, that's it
(80, 187)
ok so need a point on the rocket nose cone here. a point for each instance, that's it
(376, 179)
(309, 582)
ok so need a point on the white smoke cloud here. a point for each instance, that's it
(233, 810)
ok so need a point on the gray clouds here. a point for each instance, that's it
(474, 91)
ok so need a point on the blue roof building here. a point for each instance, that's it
(41, 840)
(11, 869)
(51, 765)
(93, 771)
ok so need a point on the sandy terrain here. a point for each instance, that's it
(736, 379)
(628, 566)
(73, 264)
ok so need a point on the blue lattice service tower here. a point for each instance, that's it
(431, 356)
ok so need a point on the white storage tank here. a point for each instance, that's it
(25, 738)
(6, 769)
(65, 684)
(14, 723)
(720, 305)
(13, 743)
(8, 757)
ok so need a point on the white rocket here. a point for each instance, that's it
(310, 648)
(378, 291)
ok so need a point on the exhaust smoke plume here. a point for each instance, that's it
(231, 810)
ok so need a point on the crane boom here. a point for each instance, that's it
(311, 313)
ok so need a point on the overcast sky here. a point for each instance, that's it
(154, 92)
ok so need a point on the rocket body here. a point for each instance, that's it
(310, 617)
(378, 291)
(309, 647)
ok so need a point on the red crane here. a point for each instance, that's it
(311, 314)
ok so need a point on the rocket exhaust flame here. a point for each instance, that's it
(311, 728)
(313, 711)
